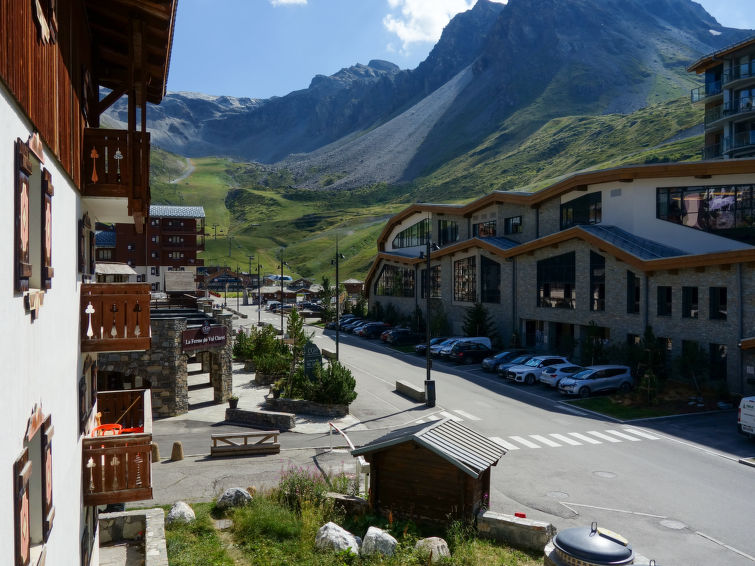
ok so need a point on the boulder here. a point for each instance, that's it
(332, 537)
(435, 547)
(181, 512)
(233, 497)
(378, 541)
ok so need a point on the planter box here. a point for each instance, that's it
(303, 407)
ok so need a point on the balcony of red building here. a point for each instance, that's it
(117, 455)
(115, 173)
(114, 317)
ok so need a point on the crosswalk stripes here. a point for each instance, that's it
(584, 438)
(566, 439)
(544, 440)
(467, 415)
(641, 433)
(623, 435)
(603, 436)
(501, 442)
(525, 442)
(447, 415)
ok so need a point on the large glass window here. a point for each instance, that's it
(726, 210)
(718, 353)
(690, 307)
(395, 281)
(664, 300)
(465, 280)
(633, 293)
(490, 280)
(717, 300)
(597, 282)
(415, 235)
(555, 282)
(448, 232)
(587, 209)
(512, 225)
(434, 282)
(484, 229)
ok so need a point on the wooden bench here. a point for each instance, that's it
(410, 390)
(238, 443)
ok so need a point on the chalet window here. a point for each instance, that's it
(556, 282)
(435, 292)
(717, 300)
(105, 254)
(597, 282)
(395, 281)
(586, 209)
(448, 232)
(155, 239)
(155, 255)
(152, 270)
(512, 225)
(689, 302)
(633, 293)
(23, 216)
(465, 280)
(490, 280)
(415, 235)
(664, 299)
(484, 229)
(87, 240)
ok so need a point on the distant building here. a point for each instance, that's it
(172, 238)
(729, 97)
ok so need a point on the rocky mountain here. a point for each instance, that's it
(497, 74)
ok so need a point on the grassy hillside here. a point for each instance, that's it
(262, 212)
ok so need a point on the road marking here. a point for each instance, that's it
(544, 440)
(718, 542)
(467, 415)
(585, 438)
(565, 439)
(433, 418)
(572, 504)
(573, 410)
(624, 436)
(603, 436)
(642, 433)
(501, 442)
(448, 415)
(525, 442)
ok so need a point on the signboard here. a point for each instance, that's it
(312, 359)
(203, 337)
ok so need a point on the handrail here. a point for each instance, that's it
(362, 464)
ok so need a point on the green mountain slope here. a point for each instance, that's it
(261, 211)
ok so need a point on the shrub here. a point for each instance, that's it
(243, 346)
(264, 518)
(333, 384)
(275, 365)
(300, 485)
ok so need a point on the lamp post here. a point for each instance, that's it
(281, 280)
(259, 294)
(338, 297)
(429, 383)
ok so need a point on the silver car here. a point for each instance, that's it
(597, 378)
(552, 375)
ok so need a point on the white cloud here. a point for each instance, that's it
(423, 20)
(287, 2)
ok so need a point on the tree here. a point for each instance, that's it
(326, 296)
(478, 322)
(439, 324)
(360, 309)
(693, 363)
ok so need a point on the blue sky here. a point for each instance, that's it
(264, 48)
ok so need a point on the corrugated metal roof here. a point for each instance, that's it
(463, 447)
(113, 269)
(169, 211)
(500, 242)
(105, 238)
(635, 245)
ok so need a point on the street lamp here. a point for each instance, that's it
(338, 298)
(281, 305)
(429, 383)
(259, 288)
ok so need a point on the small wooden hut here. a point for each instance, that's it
(431, 472)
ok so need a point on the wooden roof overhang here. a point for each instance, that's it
(747, 343)
(714, 59)
(132, 42)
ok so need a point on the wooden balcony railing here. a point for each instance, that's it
(117, 468)
(115, 317)
(116, 164)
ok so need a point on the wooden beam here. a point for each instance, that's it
(109, 100)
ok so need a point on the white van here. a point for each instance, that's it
(746, 416)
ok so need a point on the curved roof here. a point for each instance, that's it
(713, 59)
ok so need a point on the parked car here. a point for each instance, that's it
(552, 375)
(746, 416)
(529, 372)
(400, 336)
(352, 329)
(491, 362)
(373, 329)
(594, 379)
(464, 352)
(345, 325)
(420, 348)
(503, 367)
(436, 349)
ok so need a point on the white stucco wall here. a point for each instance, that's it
(41, 360)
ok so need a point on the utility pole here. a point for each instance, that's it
(215, 231)
(338, 299)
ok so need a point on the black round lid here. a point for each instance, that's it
(599, 546)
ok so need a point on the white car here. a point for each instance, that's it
(435, 349)
(553, 374)
(530, 372)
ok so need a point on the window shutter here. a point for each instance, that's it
(47, 193)
(48, 510)
(22, 262)
(21, 475)
(92, 258)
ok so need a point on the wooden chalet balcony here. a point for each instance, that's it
(117, 462)
(116, 164)
(115, 317)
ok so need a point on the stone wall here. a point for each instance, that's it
(515, 531)
(267, 420)
(301, 406)
(147, 525)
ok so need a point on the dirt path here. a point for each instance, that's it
(226, 539)
(188, 171)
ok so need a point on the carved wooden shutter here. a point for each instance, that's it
(48, 510)
(22, 267)
(21, 475)
(47, 192)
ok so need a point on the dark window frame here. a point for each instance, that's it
(487, 229)
(634, 287)
(415, 235)
(665, 300)
(448, 232)
(490, 280)
(690, 302)
(556, 282)
(465, 280)
(512, 225)
(597, 282)
(717, 298)
(587, 209)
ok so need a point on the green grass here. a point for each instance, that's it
(609, 407)
(197, 543)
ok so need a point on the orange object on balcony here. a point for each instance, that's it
(116, 164)
(115, 317)
(107, 430)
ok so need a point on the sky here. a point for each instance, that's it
(265, 48)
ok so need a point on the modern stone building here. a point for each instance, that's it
(605, 253)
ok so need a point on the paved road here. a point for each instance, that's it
(673, 487)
